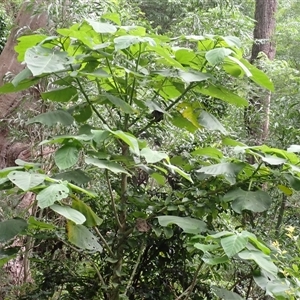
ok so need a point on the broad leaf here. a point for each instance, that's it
(51, 194)
(106, 164)
(26, 180)
(10, 228)
(100, 27)
(233, 244)
(129, 139)
(52, 118)
(210, 122)
(69, 213)
(64, 94)
(7, 254)
(180, 172)
(208, 152)
(229, 170)
(224, 94)
(153, 156)
(10, 88)
(23, 75)
(82, 238)
(264, 261)
(42, 60)
(119, 103)
(214, 259)
(294, 148)
(76, 176)
(216, 56)
(66, 156)
(257, 201)
(225, 294)
(92, 219)
(187, 224)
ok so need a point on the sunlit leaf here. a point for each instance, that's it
(51, 194)
(106, 164)
(51, 118)
(25, 180)
(69, 213)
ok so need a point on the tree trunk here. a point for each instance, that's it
(257, 115)
(17, 270)
(25, 23)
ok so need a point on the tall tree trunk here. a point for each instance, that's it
(257, 115)
(18, 269)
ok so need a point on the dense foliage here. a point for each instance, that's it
(147, 194)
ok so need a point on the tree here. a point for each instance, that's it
(257, 116)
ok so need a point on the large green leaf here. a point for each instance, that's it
(188, 77)
(119, 103)
(225, 294)
(26, 180)
(153, 156)
(82, 238)
(257, 201)
(42, 60)
(10, 228)
(208, 152)
(216, 56)
(7, 254)
(52, 193)
(180, 172)
(100, 27)
(229, 170)
(233, 244)
(52, 118)
(264, 261)
(92, 219)
(210, 122)
(129, 139)
(258, 76)
(23, 75)
(69, 213)
(76, 176)
(214, 259)
(66, 156)
(125, 41)
(106, 164)
(27, 41)
(10, 88)
(224, 94)
(62, 94)
(187, 224)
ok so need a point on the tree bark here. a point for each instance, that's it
(257, 115)
(25, 23)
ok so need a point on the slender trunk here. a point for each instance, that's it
(257, 115)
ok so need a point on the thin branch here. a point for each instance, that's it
(113, 200)
(104, 242)
(189, 290)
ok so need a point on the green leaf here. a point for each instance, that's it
(51, 194)
(180, 172)
(66, 156)
(10, 88)
(106, 164)
(206, 247)
(293, 181)
(257, 201)
(25, 180)
(129, 139)
(35, 224)
(241, 65)
(69, 213)
(213, 259)
(92, 219)
(264, 261)
(42, 60)
(23, 75)
(232, 41)
(82, 112)
(125, 107)
(76, 176)
(294, 148)
(181, 122)
(210, 122)
(125, 41)
(100, 27)
(208, 152)
(188, 77)
(153, 156)
(187, 224)
(258, 76)
(229, 170)
(160, 179)
(233, 244)
(273, 160)
(63, 94)
(7, 254)
(115, 17)
(82, 238)
(216, 56)
(10, 228)
(224, 94)
(225, 294)
(52, 118)
(28, 41)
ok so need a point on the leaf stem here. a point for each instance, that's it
(104, 242)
